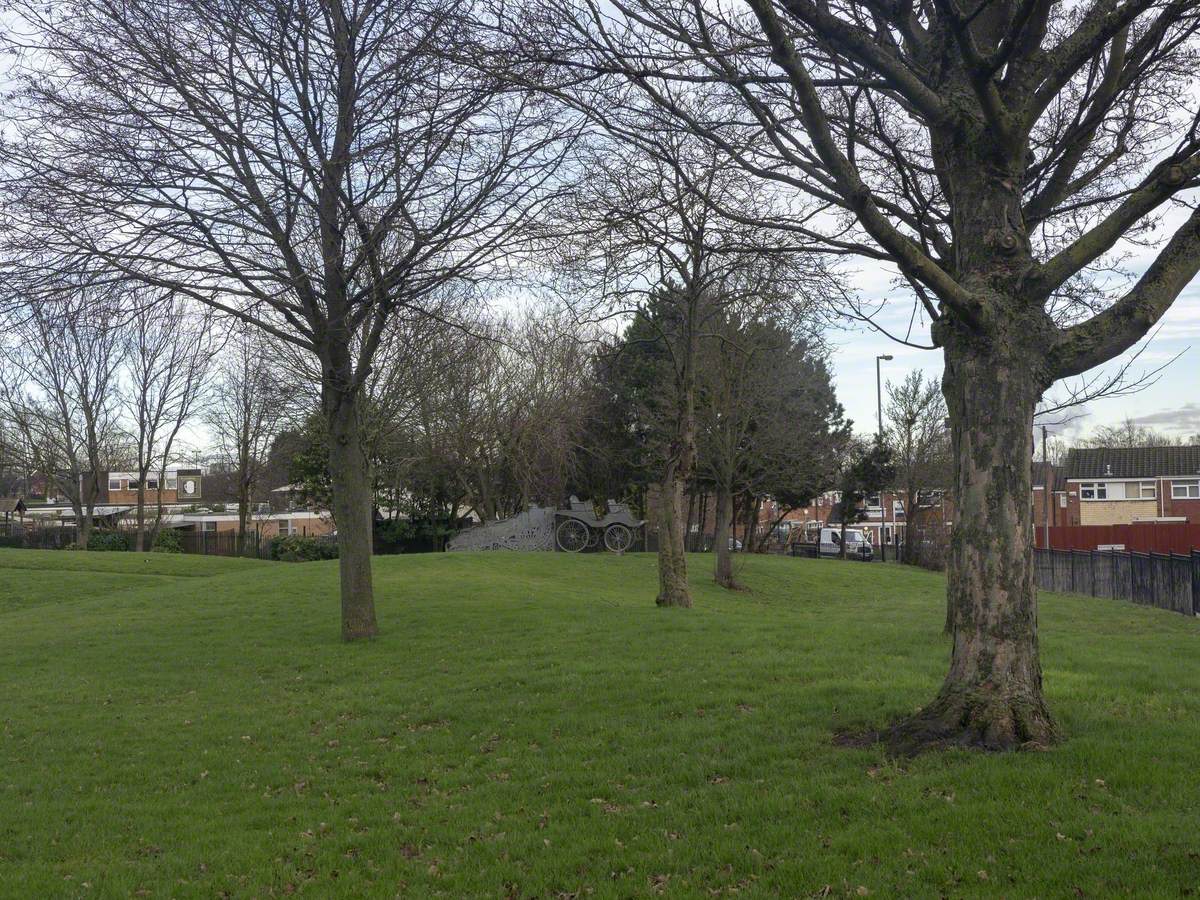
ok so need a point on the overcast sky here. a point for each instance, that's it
(1172, 404)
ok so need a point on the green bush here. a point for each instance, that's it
(296, 548)
(108, 540)
(167, 541)
(217, 507)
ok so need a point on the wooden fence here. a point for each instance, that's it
(1164, 580)
(1138, 537)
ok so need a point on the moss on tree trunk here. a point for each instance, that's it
(992, 696)
(352, 511)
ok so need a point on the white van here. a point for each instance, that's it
(857, 544)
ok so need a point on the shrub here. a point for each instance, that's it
(296, 548)
(167, 541)
(417, 535)
(108, 540)
(217, 507)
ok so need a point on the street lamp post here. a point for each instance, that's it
(879, 390)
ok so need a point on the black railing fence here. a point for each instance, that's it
(1163, 580)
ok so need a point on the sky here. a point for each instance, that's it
(1171, 404)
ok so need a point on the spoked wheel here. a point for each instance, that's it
(618, 538)
(572, 535)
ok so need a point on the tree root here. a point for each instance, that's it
(975, 719)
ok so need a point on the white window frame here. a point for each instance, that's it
(1188, 489)
(114, 484)
(285, 527)
(152, 484)
(1097, 489)
(210, 527)
(1151, 486)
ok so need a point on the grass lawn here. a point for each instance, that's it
(533, 726)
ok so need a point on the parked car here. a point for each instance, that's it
(858, 545)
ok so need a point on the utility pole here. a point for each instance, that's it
(879, 391)
(1047, 488)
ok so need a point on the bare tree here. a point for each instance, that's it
(997, 155)
(61, 390)
(762, 423)
(169, 347)
(915, 425)
(1128, 434)
(310, 168)
(647, 237)
(246, 408)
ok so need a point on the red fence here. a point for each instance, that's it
(1140, 537)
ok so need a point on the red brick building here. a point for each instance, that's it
(1123, 485)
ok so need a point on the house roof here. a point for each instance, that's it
(1133, 462)
(1058, 476)
(11, 505)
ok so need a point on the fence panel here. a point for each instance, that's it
(1081, 572)
(1180, 567)
(1142, 579)
(1196, 582)
(1102, 574)
(1164, 580)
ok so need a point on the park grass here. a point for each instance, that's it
(531, 725)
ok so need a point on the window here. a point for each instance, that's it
(873, 500)
(1185, 490)
(1148, 491)
(285, 527)
(133, 484)
(1093, 490)
(152, 484)
(210, 526)
(114, 484)
(172, 484)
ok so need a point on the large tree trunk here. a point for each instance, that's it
(992, 696)
(83, 524)
(672, 561)
(724, 568)
(680, 459)
(352, 509)
(243, 513)
(139, 541)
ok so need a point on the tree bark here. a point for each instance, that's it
(352, 508)
(724, 567)
(83, 527)
(672, 561)
(992, 696)
(243, 513)
(139, 541)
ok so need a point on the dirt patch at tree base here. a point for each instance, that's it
(959, 724)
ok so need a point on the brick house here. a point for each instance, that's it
(1123, 485)
(882, 516)
(1059, 513)
(181, 485)
(267, 524)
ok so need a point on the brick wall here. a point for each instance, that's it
(1115, 512)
